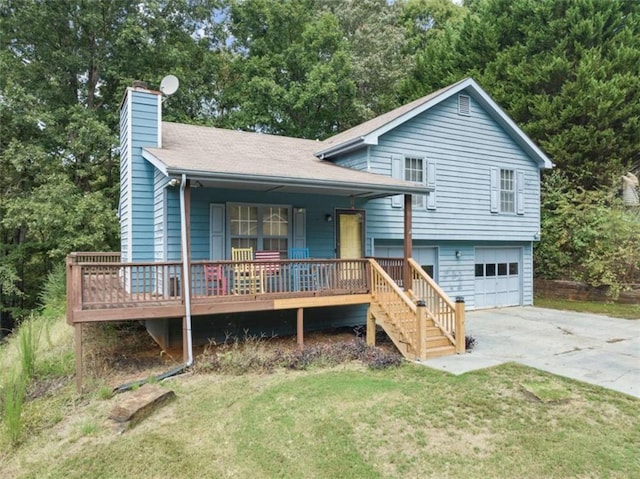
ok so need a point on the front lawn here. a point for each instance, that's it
(345, 422)
(615, 310)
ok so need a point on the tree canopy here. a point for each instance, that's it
(567, 71)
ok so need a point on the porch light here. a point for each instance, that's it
(328, 218)
(458, 254)
(173, 182)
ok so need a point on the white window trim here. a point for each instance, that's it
(260, 235)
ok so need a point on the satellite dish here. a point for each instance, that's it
(169, 85)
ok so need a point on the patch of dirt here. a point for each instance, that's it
(118, 353)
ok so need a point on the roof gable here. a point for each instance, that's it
(369, 132)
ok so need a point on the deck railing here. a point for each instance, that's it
(439, 307)
(95, 257)
(393, 267)
(105, 284)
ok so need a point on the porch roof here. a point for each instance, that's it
(234, 159)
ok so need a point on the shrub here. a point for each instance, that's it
(469, 342)
(254, 355)
(587, 236)
(54, 290)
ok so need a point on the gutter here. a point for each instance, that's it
(340, 148)
(354, 187)
(186, 273)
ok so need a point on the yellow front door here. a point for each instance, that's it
(350, 232)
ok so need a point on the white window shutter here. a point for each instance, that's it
(431, 183)
(520, 192)
(495, 190)
(397, 171)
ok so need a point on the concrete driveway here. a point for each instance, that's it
(588, 347)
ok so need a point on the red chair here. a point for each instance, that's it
(216, 281)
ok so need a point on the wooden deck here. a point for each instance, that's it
(102, 289)
(419, 317)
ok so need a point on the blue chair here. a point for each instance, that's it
(302, 278)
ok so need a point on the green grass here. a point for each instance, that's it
(615, 310)
(346, 421)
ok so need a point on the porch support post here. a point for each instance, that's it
(77, 330)
(300, 327)
(186, 274)
(408, 243)
(371, 328)
(461, 342)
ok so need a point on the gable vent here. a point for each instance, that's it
(464, 105)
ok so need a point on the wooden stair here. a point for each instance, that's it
(397, 313)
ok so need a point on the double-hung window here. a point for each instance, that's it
(507, 190)
(261, 227)
(414, 172)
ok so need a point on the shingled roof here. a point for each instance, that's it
(244, 158)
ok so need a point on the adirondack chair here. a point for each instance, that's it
(215, 280)
(302, 274)
(247, 279)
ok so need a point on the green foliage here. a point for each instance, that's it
(28, 337)
(13, 395)
(54, 290)
(587, 236)
(567, 71)
(291, 71)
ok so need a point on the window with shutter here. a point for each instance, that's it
(507, 191)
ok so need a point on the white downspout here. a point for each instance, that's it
(186, 276)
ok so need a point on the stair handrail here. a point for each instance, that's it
(448, 326)
(375, 266)
(408, 322)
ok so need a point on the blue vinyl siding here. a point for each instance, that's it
(320, 233)
(358, 160)
(138, 185)
(464, 148)
(125, 159)
(159, 210)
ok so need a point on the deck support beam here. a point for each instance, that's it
(300, 327)
(77, 329)
(371, 328)
(408, 243)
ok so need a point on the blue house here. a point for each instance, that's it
(435, 200)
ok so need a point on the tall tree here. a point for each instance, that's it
(568, 71)
(63, 67)
(290, 71)
(376, 38)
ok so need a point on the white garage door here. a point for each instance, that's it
(498, 277)
(425, 257)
